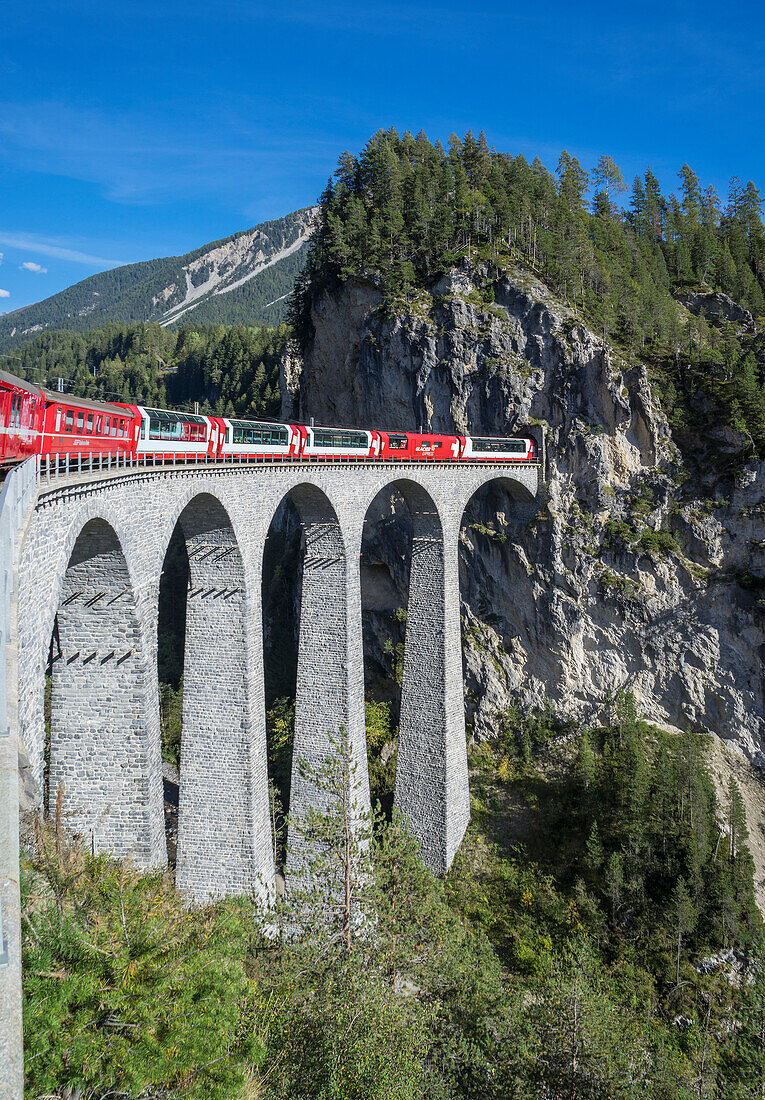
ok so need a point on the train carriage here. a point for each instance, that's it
(340, 443)
(76, 425)
(493, 449)
(171, 436)
(259, 438)
(411, 447)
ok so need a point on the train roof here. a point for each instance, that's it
(19, 383)
(61, 398)
(83, 402)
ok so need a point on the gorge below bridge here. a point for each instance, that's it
(85, 556)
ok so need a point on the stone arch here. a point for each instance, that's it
(329, 689)
(520, 488)
(45, 555)
(499, 596)
(104, 746)
(431, 787)
(224, 842)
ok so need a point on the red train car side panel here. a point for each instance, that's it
(406, 446)
(75, 425)
(21, 409)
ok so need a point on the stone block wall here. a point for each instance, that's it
(329, 699)
(223, 781)
(431, 768)
(101, 744)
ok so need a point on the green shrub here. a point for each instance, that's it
(126, 989)
(661, 542)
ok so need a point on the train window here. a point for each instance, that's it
(69, 421)
(506, 446)
(252, 434)
(193, 433)
(228, 433)
(397, 442)
(143, 428)
(13, 411)
(58, 420)
(114, 426)
(183, 427)
(331, 437)
(80, 421)
(99, 424)
(89, 424)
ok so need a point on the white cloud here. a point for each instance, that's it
(55, 247)
(5, 293)
(28, 265)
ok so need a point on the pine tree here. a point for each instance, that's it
(608, 177)
(328, 890)
(595, 855)
(685, 915)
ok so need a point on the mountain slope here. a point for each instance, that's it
(245, 278)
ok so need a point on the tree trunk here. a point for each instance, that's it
(347, 907)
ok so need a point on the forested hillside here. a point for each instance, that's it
(229, 370)
(571, 961)
(243, 279)
(677, 280)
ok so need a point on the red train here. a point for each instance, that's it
(38, 421)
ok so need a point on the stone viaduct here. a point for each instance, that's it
(89, 557)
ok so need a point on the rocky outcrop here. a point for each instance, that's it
(624, 577)
(718, 308)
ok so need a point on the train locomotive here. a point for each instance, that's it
(39, 421)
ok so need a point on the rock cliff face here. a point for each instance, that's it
(626, 575)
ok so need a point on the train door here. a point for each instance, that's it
(5, 412)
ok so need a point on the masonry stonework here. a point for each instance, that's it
(102, 725)
(329, 698)
(110, 536)
(431, 771)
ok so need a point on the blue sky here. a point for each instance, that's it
(137, 129)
